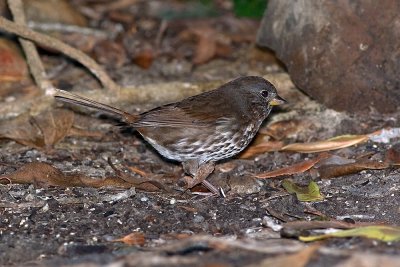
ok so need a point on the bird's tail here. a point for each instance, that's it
(86, 102)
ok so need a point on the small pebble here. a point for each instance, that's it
(198, 219)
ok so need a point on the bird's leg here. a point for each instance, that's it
(199, 172)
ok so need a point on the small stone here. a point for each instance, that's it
(198, 219)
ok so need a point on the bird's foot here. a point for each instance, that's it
(211, 187)
(200, 173)
(189, 182)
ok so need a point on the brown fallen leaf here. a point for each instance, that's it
(209, 42)
(46, 175)
(13, 67)
(40, 131)
(255, 150)
(326, 145)
(22, 130)
(43, 130)
(133, 239)
(330, 171)
(54, 125)
(294, 169)
(206, 45)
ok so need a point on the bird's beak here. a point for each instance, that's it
(277, 101)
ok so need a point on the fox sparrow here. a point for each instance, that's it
(203, 129)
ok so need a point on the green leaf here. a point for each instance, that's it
(380, 232)
(308, 193)
(249, 8)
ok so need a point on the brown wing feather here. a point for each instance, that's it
(171, 116)
(187, 113)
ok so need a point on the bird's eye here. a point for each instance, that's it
(265, 93)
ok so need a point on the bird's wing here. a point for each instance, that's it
(175, 116)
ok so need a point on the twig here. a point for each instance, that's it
(60, 27)
(161, 31)
(32, 56)
(56, 44)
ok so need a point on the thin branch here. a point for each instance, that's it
(32, 56)
(60, 27)
(48, 41)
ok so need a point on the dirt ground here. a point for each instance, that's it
(71, 226)
(253, 225)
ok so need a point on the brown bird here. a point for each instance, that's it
(203, 129)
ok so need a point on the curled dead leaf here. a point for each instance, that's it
(326, 145)
(294, 169)
(133, 239)
(46, 175)
(330, 171)
(54, 125)
(40, 131)
(43, 130)
(22, 130)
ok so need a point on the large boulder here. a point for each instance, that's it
(345, 53)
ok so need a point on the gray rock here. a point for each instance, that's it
(345, 54)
